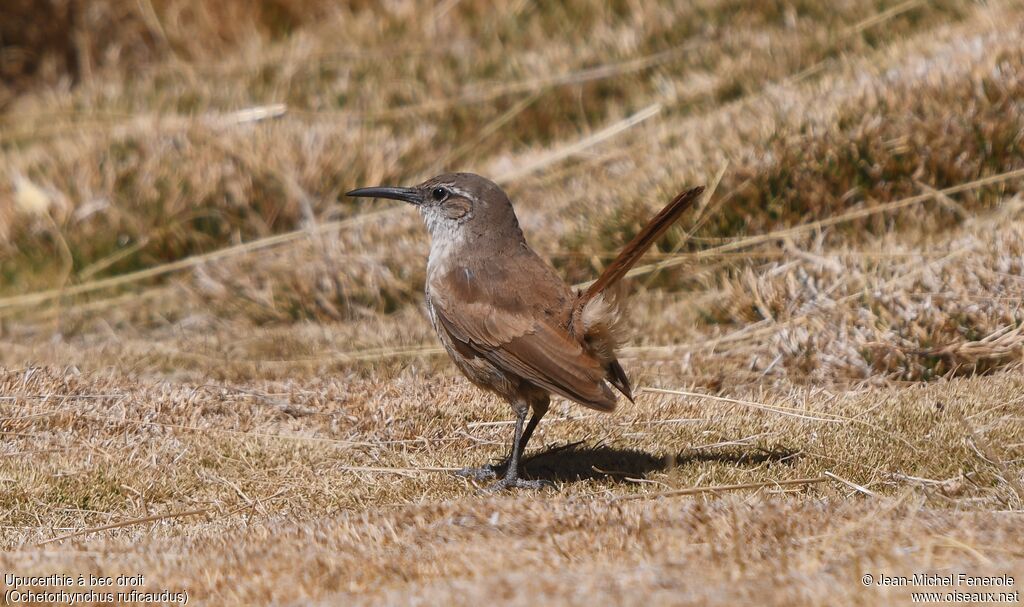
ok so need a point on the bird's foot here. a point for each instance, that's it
(518, 483)
(483, 473)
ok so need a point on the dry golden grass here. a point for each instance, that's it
(339, 489)
(214, 374)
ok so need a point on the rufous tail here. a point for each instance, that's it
(639, 245)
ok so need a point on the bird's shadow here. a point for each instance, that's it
(577, 462)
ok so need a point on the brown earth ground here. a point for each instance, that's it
(214, 370)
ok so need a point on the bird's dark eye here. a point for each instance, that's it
(439, 194)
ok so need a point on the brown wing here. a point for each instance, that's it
(509, 334)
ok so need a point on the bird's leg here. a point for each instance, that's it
(539, 409)
(511, 478)
(489, 471)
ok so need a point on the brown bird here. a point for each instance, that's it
(509, 323)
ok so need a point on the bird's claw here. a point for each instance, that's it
(483, 473)
(518, 483)
(490, 471)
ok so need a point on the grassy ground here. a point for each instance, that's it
(217, 375)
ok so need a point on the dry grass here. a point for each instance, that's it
(215, 375)
(340, 489)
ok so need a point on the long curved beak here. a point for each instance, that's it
(409, 195)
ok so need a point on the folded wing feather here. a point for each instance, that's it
(533, 348)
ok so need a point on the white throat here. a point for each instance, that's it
(447, 240)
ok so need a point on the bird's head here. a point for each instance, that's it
(456, 206)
